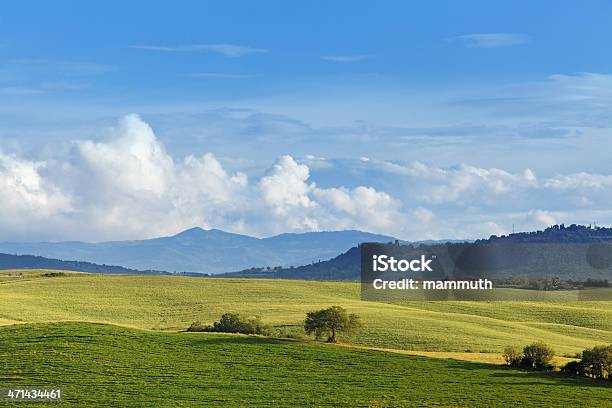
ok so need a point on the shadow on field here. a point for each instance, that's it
(555, 378)
(530, 376)
(206, 338)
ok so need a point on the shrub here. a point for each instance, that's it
(513, 356)
(197, 326)
(573, 368)
(290, 332)
(537, 355)
(255, 325)
(234, 323)
(597, 362)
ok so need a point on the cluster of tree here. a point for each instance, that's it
(345, 266)
(549, 283)
(234, 323)
(330, 322)
(533, 356)
(558, 234)
(594, 363)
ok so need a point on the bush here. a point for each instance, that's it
(597, 362)
(513, 356)
(234, 323)
(290, 332)
(537, 355)
(573, 368)
(197, 326)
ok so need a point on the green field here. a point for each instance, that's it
(99, 365)
(138, 357)
(172, 303)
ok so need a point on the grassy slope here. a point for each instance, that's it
(110, 366)
(171, 303)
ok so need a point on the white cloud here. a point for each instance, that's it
(25, 195)
(491, 40)
(544, 218)
(362, 207)
(133, 160)
(579, 181)
(462, 182)
(219, 75)
(345, 58)
(228, 50)
(128, 186)
(285, 188)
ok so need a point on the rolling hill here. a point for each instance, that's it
(204, 251)
(102, 366)
(8, 261)
(574, 252)
(124, 333)
(173, 303)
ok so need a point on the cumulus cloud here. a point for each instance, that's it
(127, 185)
(132, 161)
(461, 182)
(25, 195)
(298, 204)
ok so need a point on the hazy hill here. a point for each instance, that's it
(205, 251)
(574, 252)
(345, 266)
(8, 261)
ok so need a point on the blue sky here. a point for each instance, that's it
(478, 92)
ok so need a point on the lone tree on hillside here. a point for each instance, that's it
(331, 321)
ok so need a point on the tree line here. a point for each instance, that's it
(325, 323)
(595, 362)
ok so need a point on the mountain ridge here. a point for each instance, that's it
(202, 251)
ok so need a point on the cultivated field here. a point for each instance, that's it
(172, 303)
(138, 357)
(100, 365)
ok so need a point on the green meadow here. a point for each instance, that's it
(169, 303)
(116, 340)
(100, 365)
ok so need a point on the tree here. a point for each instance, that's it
(538, 355)
(598, 361)
(234, 323)
(331, 321)
(513, 356)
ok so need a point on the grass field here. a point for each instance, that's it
(100, 365)
(172, 303)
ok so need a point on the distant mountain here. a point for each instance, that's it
(204, 251)
(38, 262)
